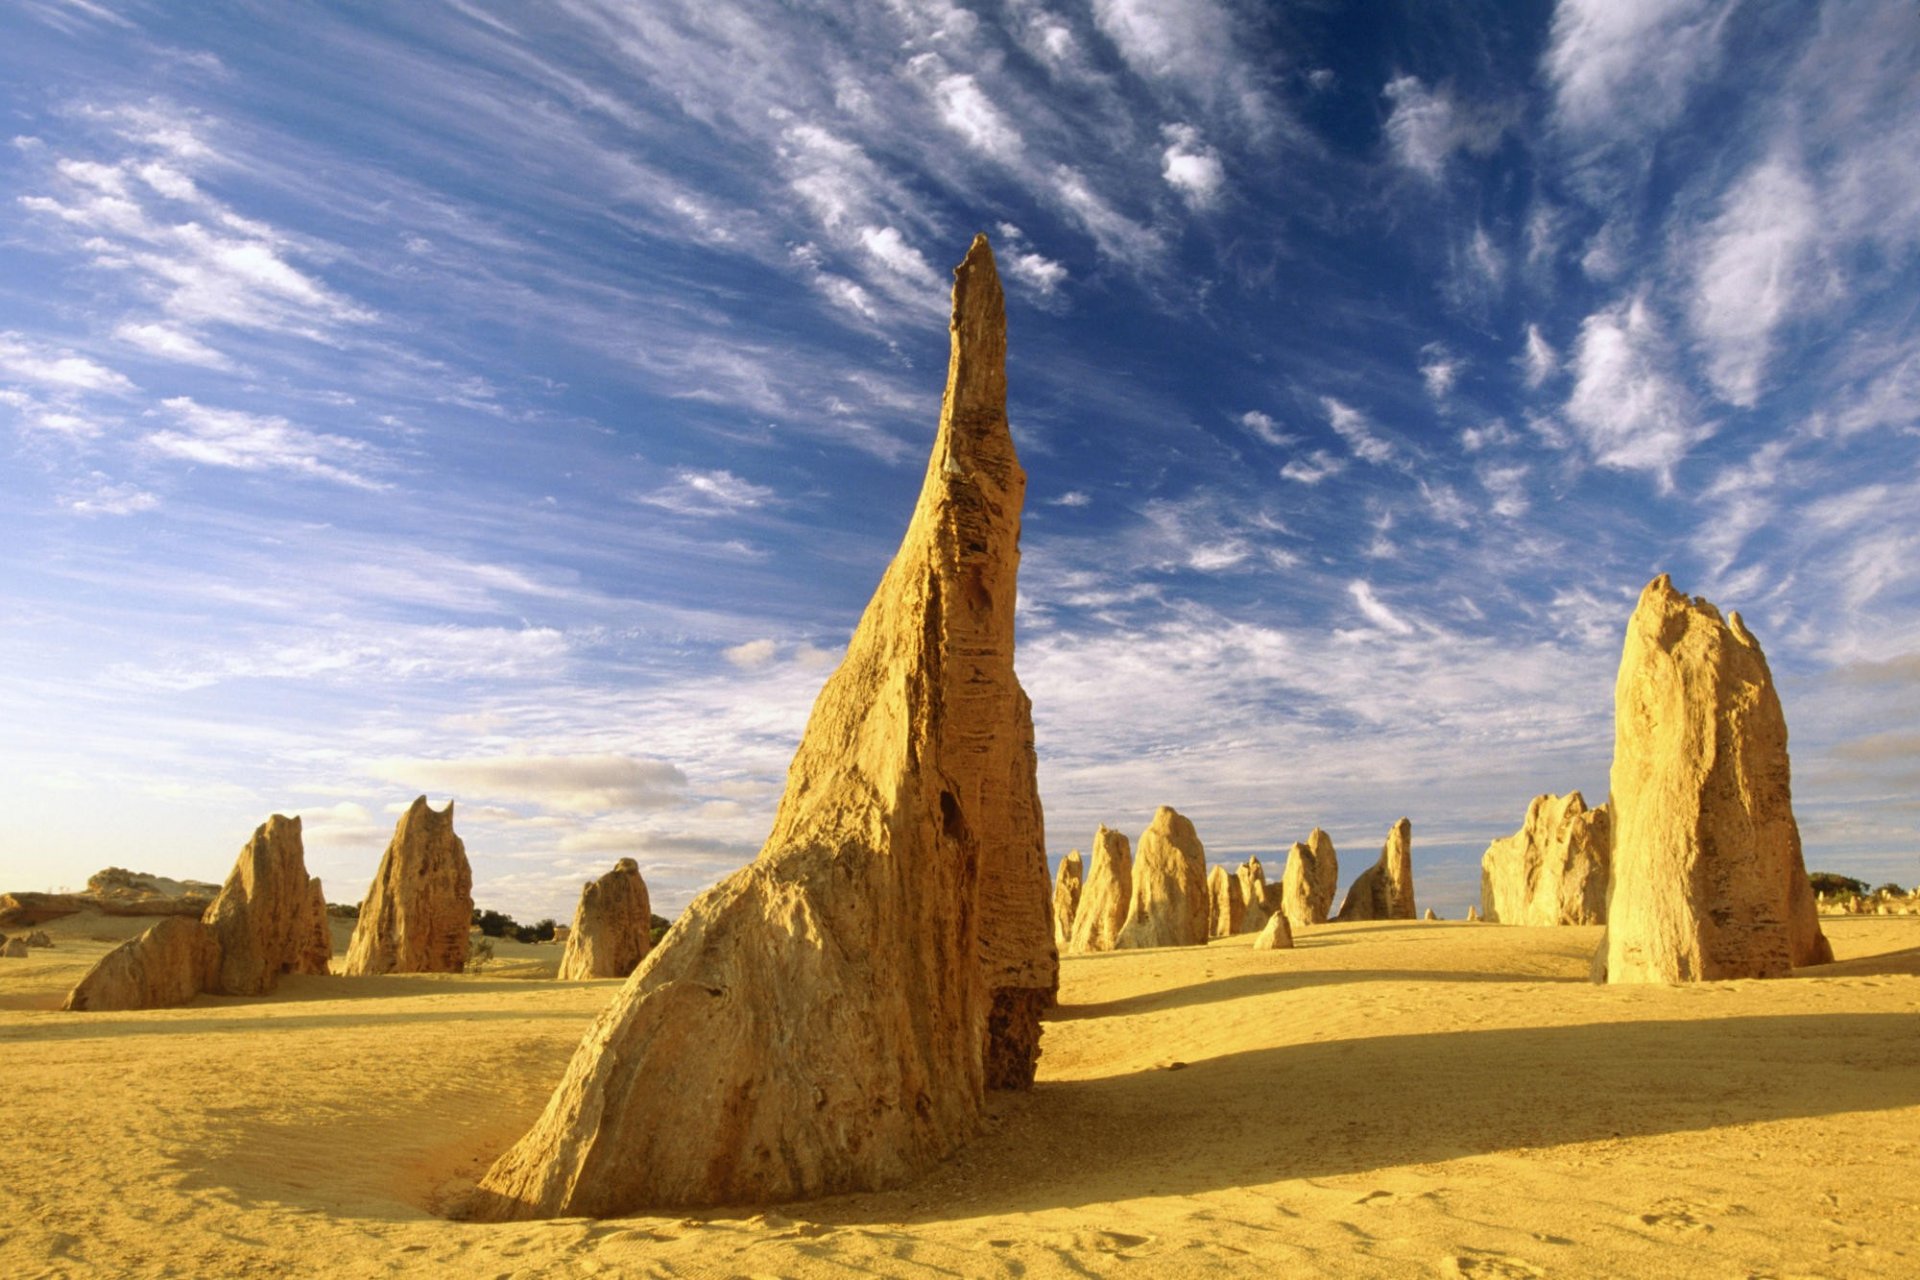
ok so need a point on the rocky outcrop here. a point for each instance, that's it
(14, 948)
(1429, 914)
(1707, 878)
(1169, 903)
(823, 1020)
(1066, 898)
(1252, 878)
(263, 921)
(611, 931)
(1473, 914)
(1104, 898)
(317, 955)
(169, 964)
(416, 913)
(260, 927)
(1551, 871)
(21, 910)
(1311, 878)
(1384, 891)
(1226, 910)
(1276, 936)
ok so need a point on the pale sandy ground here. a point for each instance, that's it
(1387, 1099)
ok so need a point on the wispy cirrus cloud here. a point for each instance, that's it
(261, 442)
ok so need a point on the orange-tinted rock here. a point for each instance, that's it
(1169, 903)
(1102, 912)
(418, 910)
(612, 928)
(1384, 891)
(169, 964)
(1553, 870)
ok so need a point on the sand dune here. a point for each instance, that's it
(1395, 1098)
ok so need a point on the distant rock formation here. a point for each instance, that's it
(15, 948)
(417, 912)
(21, 910)
(1276, 936)
(1429, 915)
(1169, 903)
(1473, 914)
(317, 955)
(827, 1018)
(612, 930)
(1384, 891)
(1310, 880)
(1103, 900)
(169, 964)
(1252, 879)
(1708, 881)
(262, 925)
(1226, 909)
(1066, 898)
(1551, 871)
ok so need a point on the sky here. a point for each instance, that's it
(518, 403)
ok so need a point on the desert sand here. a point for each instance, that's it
(1401, 1098)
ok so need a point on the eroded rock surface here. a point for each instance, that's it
(1169, 903)
(1276, 936)
(1226, 909)
(612, 927)
(1384, 891)
(169, 964)
(263, 921)
(1103, 899)
(1252, 878)
(1311, 878)
(823, 1020)
(1066, 897)
(1707, 879)
(1553, 870)
(416, 914)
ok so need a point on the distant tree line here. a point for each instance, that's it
(1830, 884)
(498, 924)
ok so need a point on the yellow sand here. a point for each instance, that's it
(1386, 1099)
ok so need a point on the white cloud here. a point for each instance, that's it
(1352, 426)
(1426, 127)
(1117, 235)
(1753, 262)
(1487, 435)
(1446, 504)
(891, 251)
(1439, 370)
(971, 114)
(565, 783)
(106, 498)
(1538, 360)
(1071, 498)
(1376, 612)
(1190, 42)
(1267, 429)
(1628, 408)
(48, 367)
(708, 493)
(1191, 167)
(171, 343)
(259, 442)
(1619, 65)
(1313, 468)
(1040, 273)
(752, 654)
(1507, 486)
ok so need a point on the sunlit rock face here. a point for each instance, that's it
(1384, 891)
(612, 928)
(1169, 903)
(1104, 898)
(417, 914)
(829, 1017)
(1252, 879)
(1707, 876)
(1066, 897)
(1554, 869)
(1311, 878)
(1226, 909)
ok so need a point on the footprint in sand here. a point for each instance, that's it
(1488, 1266)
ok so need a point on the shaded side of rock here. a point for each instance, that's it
(1707, 879)
(818, 1022)
(20, 910)
(1252, 878)
(612, 928)
(1169, 903)
(262, 922)
(1384, 891)
(1226, 909)
(1310, 880)
(1103, 900)
(416, 914)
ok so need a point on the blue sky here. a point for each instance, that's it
(519, 402)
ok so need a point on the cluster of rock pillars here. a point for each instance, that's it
(830, 1017)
